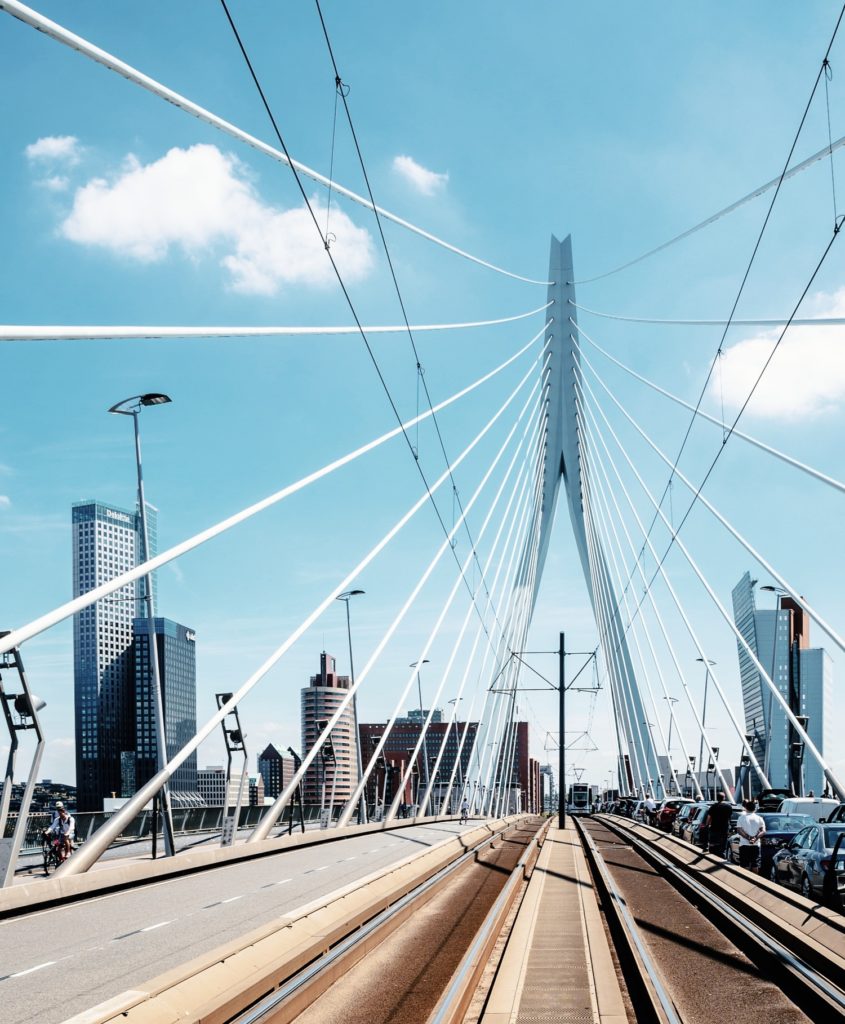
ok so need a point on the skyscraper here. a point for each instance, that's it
(176, 647)
(106, 542)
(319, 702)
(276, 770)
(780, 640)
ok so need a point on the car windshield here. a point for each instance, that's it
(831, 833)
(786, 822)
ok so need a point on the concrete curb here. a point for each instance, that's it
(218, 984)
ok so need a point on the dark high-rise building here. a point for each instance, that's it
(176, 646)
(275, 769)
(106, 542)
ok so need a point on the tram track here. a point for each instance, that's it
(687, 954)
(397, 967)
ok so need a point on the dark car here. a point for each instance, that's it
(837, 814)
(669, 811)
(691, 828)
(681, 817)
(780, 830)
(806, 860)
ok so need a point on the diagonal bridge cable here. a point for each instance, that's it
(348, 298)
(820, 74)
(343, 94)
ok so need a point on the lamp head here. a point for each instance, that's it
(349, 593)
(27, 707)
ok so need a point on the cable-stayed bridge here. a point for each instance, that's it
(559, 430)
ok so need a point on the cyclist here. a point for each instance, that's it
(64, 829)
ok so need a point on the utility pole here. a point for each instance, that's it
(561, 798)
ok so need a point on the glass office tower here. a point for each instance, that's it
(106, 542)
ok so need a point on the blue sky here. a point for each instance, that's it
(488, 125)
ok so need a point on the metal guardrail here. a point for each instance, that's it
(186, 821)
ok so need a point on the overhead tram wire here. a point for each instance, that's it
(340, 281)
(740, 291)
(67, 38)
(342, 90)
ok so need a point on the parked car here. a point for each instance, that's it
(807, 859)
(837, 814)
(691, 828)
(681, 817)
(780, 830)
(669, 811)
(818, 808)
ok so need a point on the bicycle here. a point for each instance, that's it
(51, 851)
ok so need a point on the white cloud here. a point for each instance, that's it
(199, 200)
(806, 376)
(419, 177)
(55, 183)
(5, 501)
(55, 149)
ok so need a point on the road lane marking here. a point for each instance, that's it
(30, 970)
(232, 899)
(152, 927)
(126, 935)
(323, 868)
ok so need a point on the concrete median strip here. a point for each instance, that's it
(216, 985)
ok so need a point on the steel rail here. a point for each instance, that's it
(820, 989)
(263, 1011)
(654, 988)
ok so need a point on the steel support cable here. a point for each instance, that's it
(774, 692)
(617, 671)
(268, 820)
(341, 282)
(514, 504)
(109, 831)
(62, 35)
(520, 516)
(18, 636)
(504, 769)
(741, 290)
(491, 735)
(781, 581)
(28, 332)
(354, 799)
(742, 641)
(609, 525)
(675, 531)
(787, 173)
(613, 676)
(420, 372)
(521, 533)
(788, 459)
(681, 611)
(609, 489)
(817, 321)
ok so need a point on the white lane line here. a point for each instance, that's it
(345, 859)
(232, 899)
(283, 881)
(323, 868)
(29, 970)
(152, 927)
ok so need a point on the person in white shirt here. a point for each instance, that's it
(64, 828)
(751, 829)
(465, 812)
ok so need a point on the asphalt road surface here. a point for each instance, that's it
(57, 962)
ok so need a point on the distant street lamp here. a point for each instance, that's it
(672, 702)
(362, 800)
(416, 665)
(132, 407)
(707, 663)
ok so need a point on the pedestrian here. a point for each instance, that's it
(751, 828)
(718, 822)
(465, 811)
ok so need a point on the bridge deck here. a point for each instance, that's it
(557, 964)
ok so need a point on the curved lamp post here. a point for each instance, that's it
(132, 407)
(362, 802)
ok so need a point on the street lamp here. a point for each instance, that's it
(416, 665)
(362, 801)
(707, 663)
(672, 702)
(132, 407)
